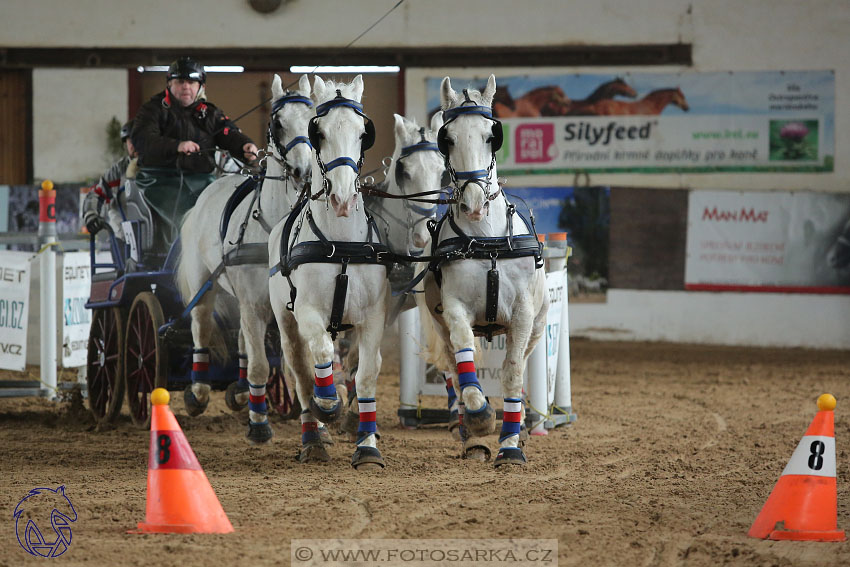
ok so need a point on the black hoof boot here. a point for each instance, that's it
(323, 415)
(480, 422)
(231, 399)
(314, 452)
(259, 433)
(510, 456)
(193, 406)
(367, 458)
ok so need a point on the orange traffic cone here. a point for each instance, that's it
(180, 498)
(804, 503)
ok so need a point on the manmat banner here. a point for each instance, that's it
(759, 241)
(761, 121)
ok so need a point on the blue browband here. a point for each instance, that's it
(325, 107)
(420, 147)
(453, 113)
(279, 103)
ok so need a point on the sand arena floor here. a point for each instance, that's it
(675, 450)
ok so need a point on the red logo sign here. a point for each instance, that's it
(535, 143)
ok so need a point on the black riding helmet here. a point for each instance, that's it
(186, 68)
(126, 130)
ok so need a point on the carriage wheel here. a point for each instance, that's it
(105, 364)
(280, 398)
(146, 361)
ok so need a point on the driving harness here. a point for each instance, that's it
(323, 250)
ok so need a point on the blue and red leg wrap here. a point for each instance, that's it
(324, 385)
(200, 365)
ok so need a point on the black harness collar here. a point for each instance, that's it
(327, 252)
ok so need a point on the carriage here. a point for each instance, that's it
(139, 337)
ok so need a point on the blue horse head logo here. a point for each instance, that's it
(40, 502)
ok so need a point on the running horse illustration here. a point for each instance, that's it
(552, 101)
(652, 104)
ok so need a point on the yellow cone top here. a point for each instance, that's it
(160, 397)
(826, 402)
(47, 185)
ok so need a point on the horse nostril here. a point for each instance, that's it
(334, 201)
(464, 208)
(297, 172)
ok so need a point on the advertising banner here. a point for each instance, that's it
(760, 121)
(14, 308)
(758, 241)
(76, 319)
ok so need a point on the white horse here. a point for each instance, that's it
(325, 273)
(491, 280)
(415, 168)
(245, 274)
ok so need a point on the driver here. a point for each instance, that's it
(176, 134)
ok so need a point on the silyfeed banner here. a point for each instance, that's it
(759, 121)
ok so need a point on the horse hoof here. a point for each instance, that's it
(193, 406)
(350, 423)
(367, 458)
(231, 397)
(510, 456)
(323, 415)
(259, 433)
(476, 451)
(480, 422)
(314, 453)
(325, 435)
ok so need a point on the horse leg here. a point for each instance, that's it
(454, 420)
(293, 349)
(253, 324)
(517, 341)
(479, 416)
(366, 455)
(237, 393)
(325, 404)
(196, 396)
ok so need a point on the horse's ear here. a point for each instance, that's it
(447, 93)
(400, 128)
(437, 121)
(304, 85)
(357, 83)
(489, 91)
(277, 87)
(318, 89)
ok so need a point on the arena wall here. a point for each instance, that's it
(725, 35)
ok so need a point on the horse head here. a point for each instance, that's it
(678, 98)
(291, 113)
(340, 133)
(469, 139)
(418, 167)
